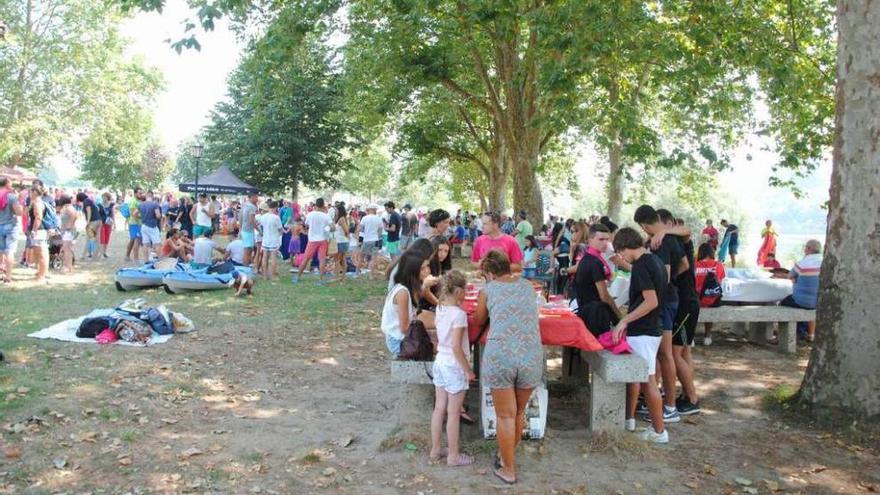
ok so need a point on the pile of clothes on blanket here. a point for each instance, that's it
(134, 322)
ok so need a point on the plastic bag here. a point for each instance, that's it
(181, 324)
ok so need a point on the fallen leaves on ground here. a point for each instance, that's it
(190, 452)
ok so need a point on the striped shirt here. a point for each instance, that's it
(806, 280)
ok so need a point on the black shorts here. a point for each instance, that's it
(685, 327)
(733, 248)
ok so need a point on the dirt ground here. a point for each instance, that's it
(289, 392)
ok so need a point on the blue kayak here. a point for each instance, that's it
(144, 277)
(195, 280)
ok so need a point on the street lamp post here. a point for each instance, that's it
(197, 154)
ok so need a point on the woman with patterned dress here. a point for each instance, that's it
(512, 363)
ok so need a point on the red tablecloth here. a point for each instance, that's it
(559, 326)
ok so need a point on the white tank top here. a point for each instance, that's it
(202, 217)
(340, 234)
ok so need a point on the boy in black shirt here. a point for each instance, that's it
(595, 304)
(671, 253)
(686, 317)
(642, 327)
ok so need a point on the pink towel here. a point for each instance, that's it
(621, 347)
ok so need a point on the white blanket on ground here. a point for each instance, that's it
(66, 331)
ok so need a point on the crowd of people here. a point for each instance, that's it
(670, 281)
(673, 273)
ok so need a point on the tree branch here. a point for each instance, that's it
(473, 131)
(481, 66)
(476, 100)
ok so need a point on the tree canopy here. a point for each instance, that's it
(669, 84)
(63, 74)
(282, 123)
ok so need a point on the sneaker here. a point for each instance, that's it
(642, 408)
(630, 424)
(686, 407)
(649, 435)
(295, 279)
(707, 341)
(669, 415)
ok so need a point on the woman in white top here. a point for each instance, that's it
(340, 233)
(403, 299)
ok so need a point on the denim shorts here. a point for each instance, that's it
(8, 237)
(667, 316)
(134, 231)
(393, 344)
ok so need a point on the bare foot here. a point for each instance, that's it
(439, 454)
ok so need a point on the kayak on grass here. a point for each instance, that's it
(198, 280)
(147, 276)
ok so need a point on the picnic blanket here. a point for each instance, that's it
(66, 331)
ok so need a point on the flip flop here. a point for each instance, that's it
(463, 460)
(498, 475)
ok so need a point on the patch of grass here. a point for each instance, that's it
(129, 436)
(310, 458)
(20, 474)
(216, 476)
(110, 414)
(479, 446)
(780, 396)
(32, 376)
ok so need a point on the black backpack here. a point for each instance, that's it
(91, 327)
(712, 292)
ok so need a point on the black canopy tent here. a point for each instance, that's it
(220, 181)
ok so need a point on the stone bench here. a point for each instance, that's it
(752, 321)
(417, 400)
(411, 372)
(609, 375)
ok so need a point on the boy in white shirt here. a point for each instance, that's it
(270, 229)
(235, 249)
(318, 224)
(204, 248)
(370, 229)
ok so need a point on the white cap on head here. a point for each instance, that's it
(372, 206)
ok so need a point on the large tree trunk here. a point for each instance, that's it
(498, 172)
(844, 372)
(615, 179)
(526, 189)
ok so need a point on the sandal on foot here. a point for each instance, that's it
(497, 473)
(463, 460)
